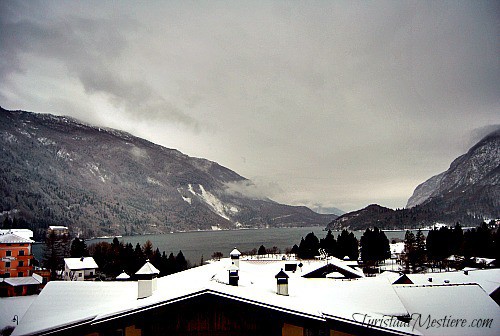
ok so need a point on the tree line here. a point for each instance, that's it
(112, 258)
(445, 246)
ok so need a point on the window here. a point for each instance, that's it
(7, 264)
(80, 274)
(91, 273)
(21, 253)
(7, 275)
(8, 253)
(20, 274)
(21, 263)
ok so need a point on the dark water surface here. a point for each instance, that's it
(196, 244)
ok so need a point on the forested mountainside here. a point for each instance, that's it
(58, 171)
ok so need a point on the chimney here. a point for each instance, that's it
(466, 272)
(233, 275)
(235, 257)
(429, 279)
(282, 283)
(146, 280)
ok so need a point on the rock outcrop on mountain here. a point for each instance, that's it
(58, 171)
(468, 192)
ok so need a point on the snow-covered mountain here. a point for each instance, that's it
(97, 181)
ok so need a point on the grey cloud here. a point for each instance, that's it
(91, 50)
(341, 103)
(254, 189)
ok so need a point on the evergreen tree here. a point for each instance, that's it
(171, 264)
(147, 249)
(102, 252)
(374, 246)
(328, 244)
(262, 250)
(56, 248)
(409, 250)
(309, 247)
(181, 262)
(139, 257)
(457, 241)
(347, 246)
(420, 255)
(127, 259)
(78, 248)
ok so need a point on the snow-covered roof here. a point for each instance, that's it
(58, 227)
(147, 268)
(123, 276)
(390, 276)
(97, 300)
(23, 281)
(488, 279)
(80, 263)
(345, 266)
(11, 238)
(235, 253)
(25, 233)
(467, 302)
(64, 303)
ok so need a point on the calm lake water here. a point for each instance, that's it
(196, 244)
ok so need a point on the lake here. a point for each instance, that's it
(196, 244)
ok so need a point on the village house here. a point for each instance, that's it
(79, 269)
(257, 297)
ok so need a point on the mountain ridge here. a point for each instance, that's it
(56, 170)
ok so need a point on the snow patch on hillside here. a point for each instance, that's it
(215, 204)
(11, 138)
(63, 154)
(94, 169)
(151, 180)
(191, 190)
(45, 141)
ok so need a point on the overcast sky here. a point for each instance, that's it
(321, 103)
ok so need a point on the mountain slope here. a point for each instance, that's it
(468, 192)
(471, 184)
(56, 170)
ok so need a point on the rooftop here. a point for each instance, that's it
(11, 238)
(80, 263)
(147, 268)
(315, 298)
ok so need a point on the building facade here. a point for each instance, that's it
(15, 256)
